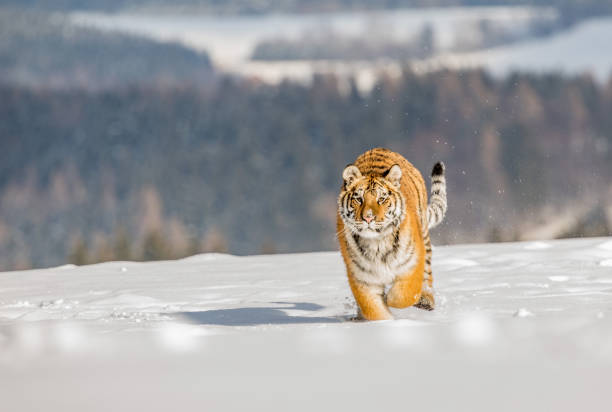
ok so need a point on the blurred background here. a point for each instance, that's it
(157, 129)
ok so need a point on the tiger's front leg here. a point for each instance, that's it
(370, 300)
(407, 289)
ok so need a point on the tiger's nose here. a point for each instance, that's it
(368, 216)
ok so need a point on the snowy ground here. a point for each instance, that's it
(519, 325)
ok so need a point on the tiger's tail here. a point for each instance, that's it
(437, 202)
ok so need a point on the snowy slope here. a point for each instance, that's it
(524, 325)
(582, 48)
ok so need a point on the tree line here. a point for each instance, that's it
(258, 166)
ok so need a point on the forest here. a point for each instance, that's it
(150, 172)
(39, 49)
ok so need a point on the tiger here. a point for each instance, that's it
(383, 224)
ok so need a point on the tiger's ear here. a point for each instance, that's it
(393, 175)
(350, 174)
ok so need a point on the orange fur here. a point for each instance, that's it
(412, 232)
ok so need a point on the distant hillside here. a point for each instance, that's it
(149, 172)
(38, 49)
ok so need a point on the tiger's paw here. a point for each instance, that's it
(427, 301)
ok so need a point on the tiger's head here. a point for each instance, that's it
(371, 206)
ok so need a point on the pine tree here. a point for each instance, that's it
(79, 254)
(121, 247)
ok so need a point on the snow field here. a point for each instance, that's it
(517, 325)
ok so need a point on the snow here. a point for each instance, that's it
(517, 325)
(537, 245)
(582, 48)
(523, 313)
(230, 40)
(559, 278)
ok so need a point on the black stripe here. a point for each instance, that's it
(410, 247)
(347, 201)
(378, 169)
(394, 247)
(354, 260)
(401, 201)
(416, 187)
(361, 249)
(410, 256)
(379, 157)
(435, 212)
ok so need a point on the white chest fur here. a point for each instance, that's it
(379, 261)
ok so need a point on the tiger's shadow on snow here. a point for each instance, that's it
(253, 316)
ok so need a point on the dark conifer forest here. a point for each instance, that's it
(157, 172)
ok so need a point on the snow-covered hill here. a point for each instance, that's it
(521, 325)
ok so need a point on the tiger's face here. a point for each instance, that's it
(371, 206)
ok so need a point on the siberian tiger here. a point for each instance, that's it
(383, 229)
